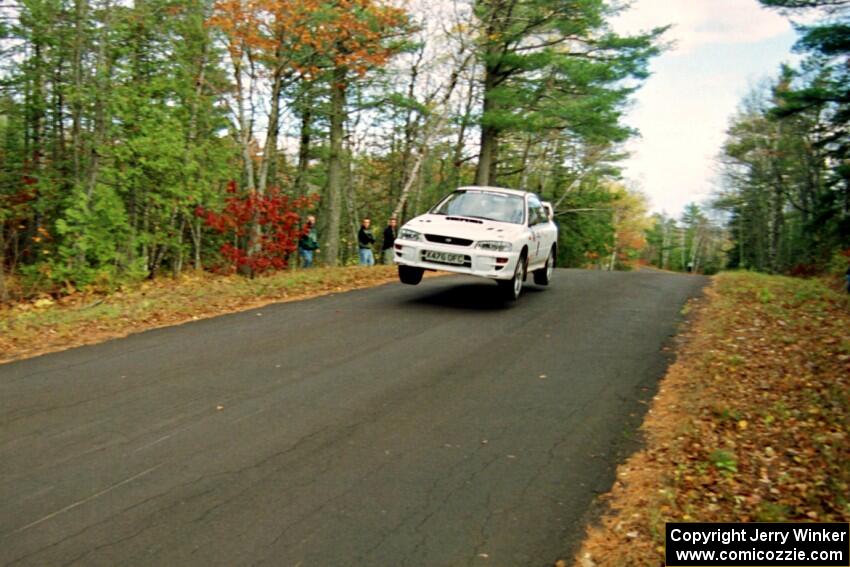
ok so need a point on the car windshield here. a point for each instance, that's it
(482, 205)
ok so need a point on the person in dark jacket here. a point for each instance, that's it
(308, 244)
(365, 240)
(389, 240)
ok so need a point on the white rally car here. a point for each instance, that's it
(495, 233)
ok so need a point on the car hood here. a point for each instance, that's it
(464, 227)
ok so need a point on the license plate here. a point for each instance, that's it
(444, 257)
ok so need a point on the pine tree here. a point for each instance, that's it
(554, 66)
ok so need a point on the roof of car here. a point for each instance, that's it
(493, 189)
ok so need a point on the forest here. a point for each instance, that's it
(782, 199)
(143, 138)
(786, 161)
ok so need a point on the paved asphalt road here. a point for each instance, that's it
(394, 426)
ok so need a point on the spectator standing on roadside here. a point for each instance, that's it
(389, 240)
(308, 244)
(365, 239)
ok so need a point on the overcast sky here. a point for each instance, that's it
(723, 48)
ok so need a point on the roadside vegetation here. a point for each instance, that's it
(45, 324)
(140, 140)
(750, 423)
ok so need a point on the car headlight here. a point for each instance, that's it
(407, 234)
(494, 245)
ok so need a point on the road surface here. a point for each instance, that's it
(394, 426)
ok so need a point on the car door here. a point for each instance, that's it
(550, 231)
(537, 221)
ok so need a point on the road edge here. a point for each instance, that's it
(603, 511)
(94, 332)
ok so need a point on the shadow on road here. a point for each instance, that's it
(474, 296)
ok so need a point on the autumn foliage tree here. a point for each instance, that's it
(350, 37)
(554, 67)
(332, 41)
(274, 212)
(630, 220)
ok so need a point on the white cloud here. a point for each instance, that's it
(702, 22)
(722, 48)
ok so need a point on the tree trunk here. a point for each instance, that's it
(191, 137)
(334, 192)
(696, 246)
(486, 173)
(410, 124)
(269, 150)
(58, 124)
(192, 132)
(37, 111)
(38, 108)
(245, 126)
(77, 72)
(613, 260)
(103, 74)
(523, 178)
(350, 203)
(429, 129)
(457, 152)
(177, 268)
(4, 293)
(304, 140)
(776, 222)
(195, 230)
(417, 198)
(273, 125)
(411, 179)
(741, 262)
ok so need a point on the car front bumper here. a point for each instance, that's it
(481, 263)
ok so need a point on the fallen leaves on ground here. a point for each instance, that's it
(750, 423)
(43, 325)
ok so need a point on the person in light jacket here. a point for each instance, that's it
(389, 240)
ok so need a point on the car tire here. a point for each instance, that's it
(410, 275)
(513, 287)
(544, 275)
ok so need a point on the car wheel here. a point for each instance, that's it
(410, 275)
(511, 288)
(544, 275)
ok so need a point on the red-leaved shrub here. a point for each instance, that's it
(280, 227)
